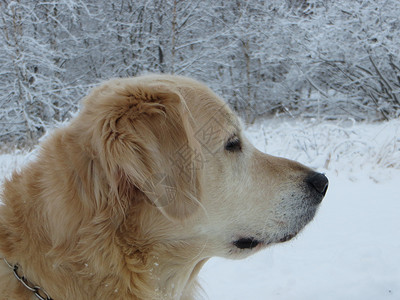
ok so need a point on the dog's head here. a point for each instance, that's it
(176, 156)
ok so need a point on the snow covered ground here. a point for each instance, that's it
(352, 248)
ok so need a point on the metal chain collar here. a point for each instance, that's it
(39, 292)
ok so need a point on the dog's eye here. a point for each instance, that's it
(233, 144)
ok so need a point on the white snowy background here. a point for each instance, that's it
(319, 82)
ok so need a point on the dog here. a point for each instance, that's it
(153, 177)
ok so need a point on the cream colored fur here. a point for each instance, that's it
(131, 198)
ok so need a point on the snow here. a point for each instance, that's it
(351, 250)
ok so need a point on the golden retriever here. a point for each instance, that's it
(151, 179)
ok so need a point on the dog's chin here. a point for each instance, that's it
(245, 245)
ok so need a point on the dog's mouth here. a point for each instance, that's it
(252, 242)
(247, 243)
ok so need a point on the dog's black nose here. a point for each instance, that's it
(319, 182)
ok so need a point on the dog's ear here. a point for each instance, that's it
(147, 144)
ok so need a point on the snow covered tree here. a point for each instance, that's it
(308, 58)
